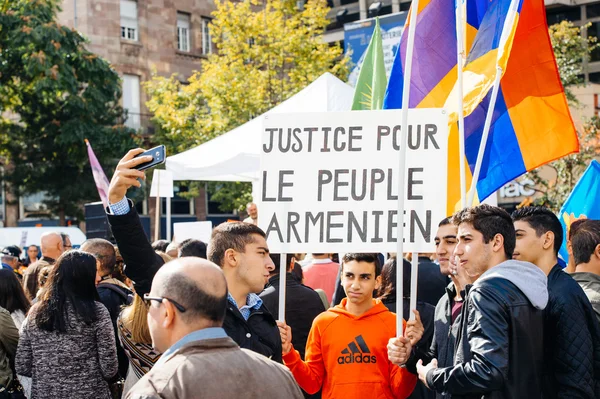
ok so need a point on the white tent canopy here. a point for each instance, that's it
(235, 155)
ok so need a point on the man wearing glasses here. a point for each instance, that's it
(187, 304)
(240, 249)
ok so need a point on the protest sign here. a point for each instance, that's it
(329, 181)
(162, 184)
(196, 230)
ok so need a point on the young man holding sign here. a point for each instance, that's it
(347, 348)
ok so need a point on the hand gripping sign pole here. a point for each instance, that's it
(402, 166)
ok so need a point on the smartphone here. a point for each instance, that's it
(158, 157)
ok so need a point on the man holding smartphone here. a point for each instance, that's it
(247, 321)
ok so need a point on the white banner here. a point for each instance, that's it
(162, 184)
(329, 181)
(196, 230)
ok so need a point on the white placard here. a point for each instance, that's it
(329, 181)
(196, 230)
(162, 184)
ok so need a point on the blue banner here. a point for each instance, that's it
(357, 36)
(583, 202)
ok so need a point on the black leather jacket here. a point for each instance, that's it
(499, 347)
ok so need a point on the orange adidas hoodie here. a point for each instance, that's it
(347, 356)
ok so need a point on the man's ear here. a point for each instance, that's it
(597, 251)
(569, 248)
(168, 313)
(378, 282)
(230, 258)
(548, 240)
(498, 243)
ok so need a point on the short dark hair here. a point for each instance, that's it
(197, 302)
(445, 222)
(104, 251)
(160, 245)
(542, 220)
(364, 257)
(231, 235)
(489, 221)
(64, 237)
(585, 240)
(575, 226)
(192, 247)
(276, 258)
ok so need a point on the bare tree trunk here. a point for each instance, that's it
(61, 218)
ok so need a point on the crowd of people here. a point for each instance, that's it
(497, 316)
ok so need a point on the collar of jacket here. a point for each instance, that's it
(451, 290)
(586, 277)
(289, 280)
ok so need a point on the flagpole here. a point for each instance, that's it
(509, 25)
(282, 285)
(484, 136)
(414, 10)
(460, 50)
(414, 272)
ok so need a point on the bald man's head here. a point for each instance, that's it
(198, 285)
(52, 245)
(104, 251)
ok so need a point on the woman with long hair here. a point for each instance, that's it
(67, 343)
(134, 335)
(12, 297)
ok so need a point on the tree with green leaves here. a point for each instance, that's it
(54, 93)
(571, 48)
(267, 51)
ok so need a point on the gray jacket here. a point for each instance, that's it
(217, 369)
(590, 283)
(75, 364)
(9, 338)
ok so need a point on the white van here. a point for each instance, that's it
(25, 236)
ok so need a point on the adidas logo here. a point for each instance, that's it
(357, 352)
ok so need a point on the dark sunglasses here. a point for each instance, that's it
(148, 299)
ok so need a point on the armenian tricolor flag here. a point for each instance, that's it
(531, 123)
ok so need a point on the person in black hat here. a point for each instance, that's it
(10, 259)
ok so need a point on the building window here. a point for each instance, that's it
(129, 20)
(131, 100)
(556, 15)
(183, 32)
(594, 31)
(593, 10)
(206, 40)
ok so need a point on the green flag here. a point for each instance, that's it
(372, 82)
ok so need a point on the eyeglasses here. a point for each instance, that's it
(159, 299)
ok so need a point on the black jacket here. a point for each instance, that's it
(302, 305)
(114, 297)
(431, 283)
(259, 334)
(141, 262)
(426, 311)
(571, 341)
(499, 347)
(444, 337)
